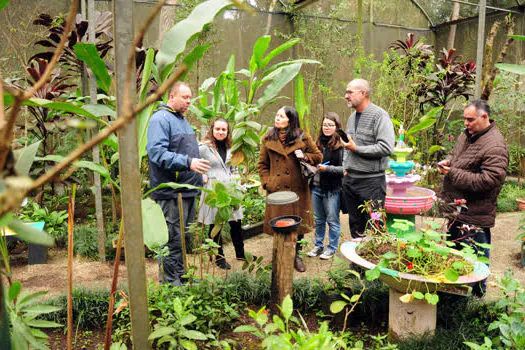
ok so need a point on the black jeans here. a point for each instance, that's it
(482, 235)
(357, 191)
(237, 240)
(173, 264)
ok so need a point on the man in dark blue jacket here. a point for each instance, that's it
(173, 153)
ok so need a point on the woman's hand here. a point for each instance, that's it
(299, 154)
(321, 167)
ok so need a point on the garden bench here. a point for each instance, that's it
(37, 254)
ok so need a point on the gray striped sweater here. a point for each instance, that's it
(375, 140)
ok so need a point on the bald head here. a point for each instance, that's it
(358, 94)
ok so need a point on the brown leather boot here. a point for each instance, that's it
(299, 264)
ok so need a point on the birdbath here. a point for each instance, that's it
(417, 317)
(403, 199)
(284, 241)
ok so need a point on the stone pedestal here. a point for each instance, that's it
(416, 318)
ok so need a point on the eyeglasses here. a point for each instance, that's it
(350, 92)
(329, 125)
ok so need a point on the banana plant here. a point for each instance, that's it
(261, 83)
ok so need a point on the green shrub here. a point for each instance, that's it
(86, 242)
(307, 294)
(253, 290)
(214, 304)
(507, 197)
(90, 308)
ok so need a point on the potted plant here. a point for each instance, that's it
(415, 265)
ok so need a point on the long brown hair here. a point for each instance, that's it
(335, 141)
(211, 139)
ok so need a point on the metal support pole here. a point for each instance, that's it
(481, 46)
(130, 179)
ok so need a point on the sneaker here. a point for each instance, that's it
(316, 251)
(327, 254)
(223, 264)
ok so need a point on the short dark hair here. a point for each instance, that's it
(481, 106)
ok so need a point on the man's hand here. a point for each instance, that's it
(350, 144)
(200, 165)
(444, 167)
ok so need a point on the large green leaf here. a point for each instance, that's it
(89, 54)
(278, 50)
(100, 110)
(260, 47)
(287, 308)
(59, 106)
(281, 77)
(420, 126)
(176, 186)
(518, 37)
(180, 34)
(30, 234)
(25, 157)
(195, 55)
(146, 73)
(300, 98)
(160, 332)
(81, 164)
(3, 4)
(513, 68)
(154, 225)
(142, 129)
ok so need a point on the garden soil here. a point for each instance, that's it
(53, 275)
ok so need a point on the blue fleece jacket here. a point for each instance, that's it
(171, 147)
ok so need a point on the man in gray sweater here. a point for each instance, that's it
(371, 142)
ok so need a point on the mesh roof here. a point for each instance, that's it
(440, 11)
(420, 13)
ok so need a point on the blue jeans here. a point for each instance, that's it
(326, 211)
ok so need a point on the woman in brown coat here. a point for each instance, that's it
(279, 169)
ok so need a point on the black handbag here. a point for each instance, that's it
(307, 170)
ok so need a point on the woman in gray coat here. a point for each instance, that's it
(216, 148)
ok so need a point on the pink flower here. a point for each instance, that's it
(376, 216)
(450, 137)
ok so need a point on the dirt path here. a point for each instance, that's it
(53, 275)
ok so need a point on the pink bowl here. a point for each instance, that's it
(418, 200)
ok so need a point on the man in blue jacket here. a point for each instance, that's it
(173, 154)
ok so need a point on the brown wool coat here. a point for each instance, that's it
(477, 171)
(279, 170)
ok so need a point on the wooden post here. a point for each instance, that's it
(283, 252)
(283, 258)
(481, 46)
(416, 318)
(130, 179)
